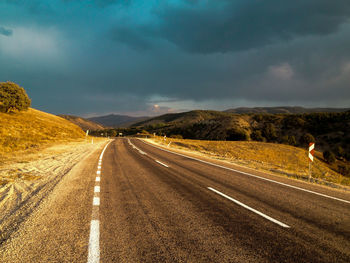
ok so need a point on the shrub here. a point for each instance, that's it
(307, 138)
(269, 132)
(257, 136)
(291, 140)
(13, 97)
(176, 136)
(112, 133)
(237, 134)
(329, 156)
(340, 152)
(344, 170)
(144, 132)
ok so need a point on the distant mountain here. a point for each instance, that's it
(83, 123)
(284, 110)
(197, 124)
(183, 118)
(116, 121)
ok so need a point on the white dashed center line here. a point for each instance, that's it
(249, 208)
(96, 201)
(94, 242)
(162, 163)
(94, 239)
(134, 147)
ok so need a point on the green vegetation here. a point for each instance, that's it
(13, 98)
(330, 131)
(329, 156)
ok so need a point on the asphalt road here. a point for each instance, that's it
(144, 204)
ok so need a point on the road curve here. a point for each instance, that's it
(139, 203)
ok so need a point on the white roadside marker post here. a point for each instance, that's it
(311, 157)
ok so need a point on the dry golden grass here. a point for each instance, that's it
(29, 131)
(271, 157)
(30, 165)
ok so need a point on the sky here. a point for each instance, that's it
(150, 57)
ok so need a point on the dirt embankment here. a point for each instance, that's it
(25, 183)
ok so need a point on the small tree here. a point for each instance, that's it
(113, 133)
(176, 136)
(340, 152)
(257, 136)
(307, 138)
(329, 156)
(13, 97)
(269, 132)
(291, 140)
(237, 134)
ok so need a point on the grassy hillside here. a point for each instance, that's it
(276, 158)
(32, 129)
(284, 110)
(83, 123)
(330, 131)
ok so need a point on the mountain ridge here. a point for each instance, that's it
(283, 110)
(83, 123)
(116, 120)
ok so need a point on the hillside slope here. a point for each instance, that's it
(198, 124)
(284, 110)
(271, 157)
(85, 124)
(330, 131)
(31, 129)
(115, 121)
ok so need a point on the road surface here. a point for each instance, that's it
(135, 202)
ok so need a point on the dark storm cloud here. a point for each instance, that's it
(242, 25)
(131, 37)
(90, 57)
(104, 3)
(5, 31)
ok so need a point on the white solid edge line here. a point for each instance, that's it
(250, 209)
(94, 242)
(98, 179)
(162, 163)
(97, 189)
(252, 175)
(96, 201)
(104, 149)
